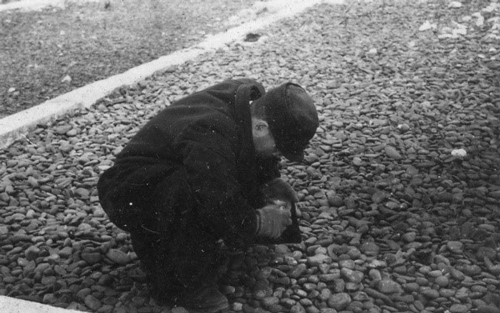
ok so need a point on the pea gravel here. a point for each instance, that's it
(399, 192)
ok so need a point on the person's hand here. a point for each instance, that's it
(272, 220)
(278, 189)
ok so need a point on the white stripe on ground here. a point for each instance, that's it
(11, 305)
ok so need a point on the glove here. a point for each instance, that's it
(278, 189)
(272, 220)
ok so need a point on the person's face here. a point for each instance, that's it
(263, 141)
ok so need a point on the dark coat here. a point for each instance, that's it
(206, 137)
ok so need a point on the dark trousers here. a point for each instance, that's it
(180, 263)
(176, 252)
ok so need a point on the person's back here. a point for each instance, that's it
(196, 175)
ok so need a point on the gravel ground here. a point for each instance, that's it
(400, 191)
(52, 51)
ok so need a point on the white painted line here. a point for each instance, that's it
(11, 305)
(35, 5)
(26, 5)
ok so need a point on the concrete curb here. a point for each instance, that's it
(11, 305)
(14, 127)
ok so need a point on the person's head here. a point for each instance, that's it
(283, 120)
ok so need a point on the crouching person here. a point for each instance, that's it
(204, 171)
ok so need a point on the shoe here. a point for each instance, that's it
(206, 299)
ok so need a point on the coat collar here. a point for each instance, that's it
(246, 160)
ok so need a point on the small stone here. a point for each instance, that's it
(488, 252)
(4, 230)
(387, 286)
(456, 274)
(339, 301)
(82, 193)
(61, 130)
(325, 294)
(121, 237)
(297, 308)
(442, 281)
(48, 280)
(283, 281)
(495, 194)
(53, 258)
(32, 253)
(487, 227)
(269, 301)
(282, 249)
(487, 309)
(19, 236)
(409, 237)
(60, 270)
(360, 296)
(370, 248)
(411, 287)
(118, 256)
(459, 308)
(377, 264)
(379, 196)
(67, 79)
(72, 132)
(472, 270)
(334, 199)
(446, 293)
(462, 293)
(455, 246)
(237, 306)
(443, 197)
(298, 271)
(431, 293)
(227, 290)
(392, 152)
(91, 257)
(328, 277)
(357, 161)
(287, 302)
(347, 263)
(435, 273)
(352, 276)
(65, 252)
(403, 127)
(84, 228)
(318, 259)
(92, 303)
(375, 274)
(49, 298)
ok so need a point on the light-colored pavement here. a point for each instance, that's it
(29, 5)
(11, 305)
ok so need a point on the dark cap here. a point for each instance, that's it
(292, 119)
